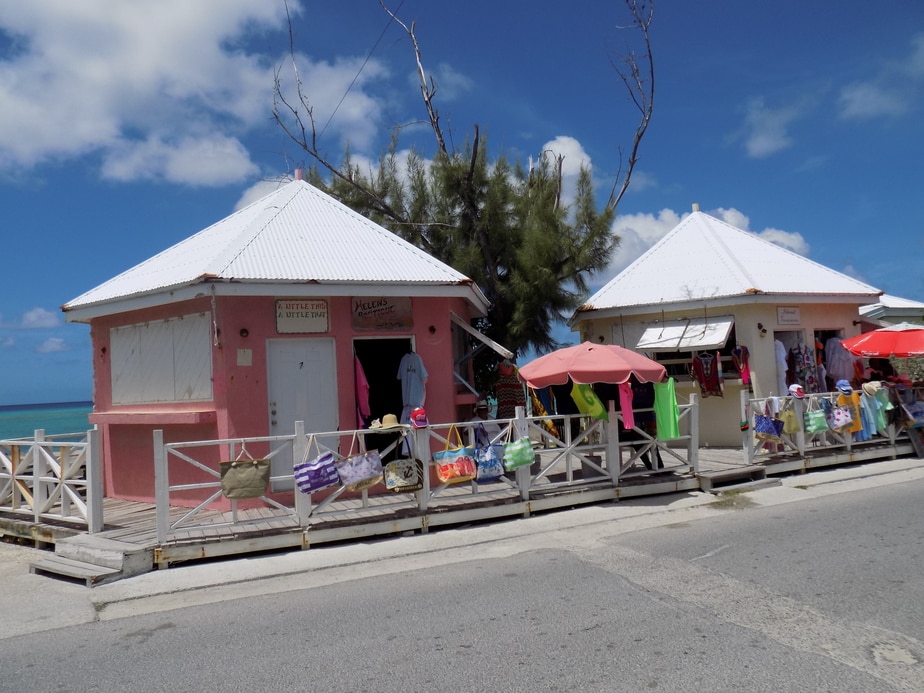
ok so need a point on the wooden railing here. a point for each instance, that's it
(595, 457)
(53, 478)
(800, 442)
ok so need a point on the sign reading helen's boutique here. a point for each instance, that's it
(302, 315)
(382, 313)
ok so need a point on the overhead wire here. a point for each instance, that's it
(391, 18)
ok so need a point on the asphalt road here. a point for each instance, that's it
(819, 595)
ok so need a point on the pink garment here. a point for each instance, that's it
(362, 393)
(625, 404)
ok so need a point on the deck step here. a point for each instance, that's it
(89, 574)
(735, 476)
(129, 559)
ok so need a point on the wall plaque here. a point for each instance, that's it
(787, 315)
(302, 315)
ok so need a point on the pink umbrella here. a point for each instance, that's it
(591, 363)
(903, 340)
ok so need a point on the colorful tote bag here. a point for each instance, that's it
(317, 473)
(837, 417)
(455, 463)
(404, 475)
(488, 459)
(359, 472)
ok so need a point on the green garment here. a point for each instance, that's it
(667, 413)
(588, 403)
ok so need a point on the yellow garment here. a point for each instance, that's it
(539, 410)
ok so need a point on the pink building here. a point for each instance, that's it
(275, 314)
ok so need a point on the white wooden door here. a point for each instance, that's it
(302, 387)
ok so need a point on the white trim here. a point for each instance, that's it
(503, 351)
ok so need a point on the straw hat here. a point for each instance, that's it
(389, 422)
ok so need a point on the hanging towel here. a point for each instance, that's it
(667, 413)
(625, 404)
(362, 393)
(587, 402)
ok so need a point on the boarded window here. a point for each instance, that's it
(162, 361)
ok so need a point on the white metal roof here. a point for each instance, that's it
(704, 259)
(296, 236)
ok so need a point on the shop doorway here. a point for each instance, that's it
(380, 359)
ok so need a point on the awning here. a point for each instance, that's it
(691, 334)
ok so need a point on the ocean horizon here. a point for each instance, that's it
(55, 418)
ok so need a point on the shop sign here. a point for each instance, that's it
(788, 315)
(382, 313)
(302, 315)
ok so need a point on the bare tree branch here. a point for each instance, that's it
(641, 88)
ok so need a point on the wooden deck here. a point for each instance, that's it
(130, 527)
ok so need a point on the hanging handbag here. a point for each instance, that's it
(488, 458)
(517, 453)
(244, 477)
(837, 417)
(359, 472)
(815, 422)
(767, 428)
(455, 463)
(404, 475)
(317, 473)
(790, 421)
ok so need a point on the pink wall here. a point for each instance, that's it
(239, 406)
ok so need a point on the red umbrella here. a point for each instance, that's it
(903, 340)
(591, 363)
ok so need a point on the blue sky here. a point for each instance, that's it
(128, 126)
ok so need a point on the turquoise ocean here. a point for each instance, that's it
(22, 420)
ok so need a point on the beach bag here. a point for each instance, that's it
(790, 421)
(317, 473)
(455, 463)
(359, 472)
(815, 421)
(244, 477)
(404, 475)
(488, 459)
(767, 428)
(517, 453)
(837, 417)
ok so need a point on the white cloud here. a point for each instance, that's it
(892, 92)
(864, 100)
(340, 106)
(52, 345)
(766, 130)
(7, 342)
(450, 83)
(39, 317)
(129, 80)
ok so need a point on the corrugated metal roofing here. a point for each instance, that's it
(296, 234)
(706, 258)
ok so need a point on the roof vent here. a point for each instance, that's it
(696, 206)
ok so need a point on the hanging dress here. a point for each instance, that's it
(509, 390)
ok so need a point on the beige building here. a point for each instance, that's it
(709, 294)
